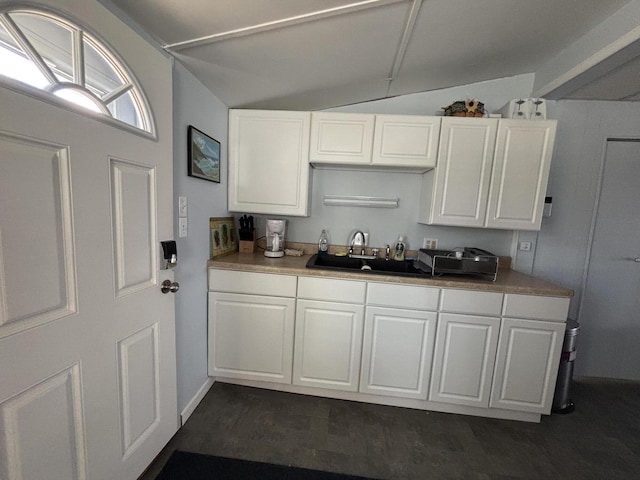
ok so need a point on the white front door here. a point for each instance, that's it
(607, 344)
(87, 339)
(87, 349)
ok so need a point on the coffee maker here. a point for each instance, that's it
(275, 238)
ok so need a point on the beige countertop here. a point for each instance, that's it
(508, 281)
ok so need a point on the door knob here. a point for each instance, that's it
(169, 286)
(637, 260)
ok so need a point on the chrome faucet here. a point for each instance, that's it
(357, 246)
(387, 252)
(357, 240)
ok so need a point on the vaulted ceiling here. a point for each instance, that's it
(314, 54)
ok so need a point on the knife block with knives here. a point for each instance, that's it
(247, 235)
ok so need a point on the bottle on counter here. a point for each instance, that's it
(399, 249)
(323, 243)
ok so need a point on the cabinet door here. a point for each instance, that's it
(527, 365)
(406, 141)
(464, 359)
(341, 138)
(328, 344)
(269, 162)
(461, 177)
(251, 337)
(397, 352)
(520, 174)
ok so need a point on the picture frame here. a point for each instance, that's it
(203, 155)
(223, 236)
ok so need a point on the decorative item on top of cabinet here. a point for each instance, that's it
(490, 173)
(465, 108)
(269, 162)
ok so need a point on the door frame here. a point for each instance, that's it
(596, 209)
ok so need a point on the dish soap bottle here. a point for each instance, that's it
(323, 243)
(398, 250)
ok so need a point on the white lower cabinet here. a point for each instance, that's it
(399, 334)
(251, 336)
(328, 342)
(464, 359)
(251, 322)
(397, 352)
(527, 365)
(529, 352)
(328, 338)
(465, 351)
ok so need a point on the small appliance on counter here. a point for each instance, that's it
(275, 238)
(462, 261)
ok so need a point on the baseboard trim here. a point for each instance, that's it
(391, 401)
(197, 398)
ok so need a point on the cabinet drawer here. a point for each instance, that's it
(329, 289)
(469, 301)
(536, 307)
(252, 283)
(402, 296)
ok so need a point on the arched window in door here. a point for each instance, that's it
(44, 51)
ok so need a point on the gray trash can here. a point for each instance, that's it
(561, 401)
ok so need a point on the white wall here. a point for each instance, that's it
(563, 242)
(195, 105)
(493, 93)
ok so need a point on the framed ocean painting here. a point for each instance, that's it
(204, 156)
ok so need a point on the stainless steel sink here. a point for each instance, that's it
(377, 266)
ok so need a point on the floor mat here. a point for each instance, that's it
(195, 466)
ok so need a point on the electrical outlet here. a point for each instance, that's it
(183, 230)
(525, 246)
(430, 243)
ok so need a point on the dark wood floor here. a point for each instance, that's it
(600, 440)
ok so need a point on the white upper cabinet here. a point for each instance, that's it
(406, 141)
(490, 173)
(341, 138)
(350, 139)
(269, 162)
(456, 192)
(520, 174)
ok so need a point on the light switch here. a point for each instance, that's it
(182, 207)
(183, 229)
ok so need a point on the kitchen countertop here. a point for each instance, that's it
(508, 281)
